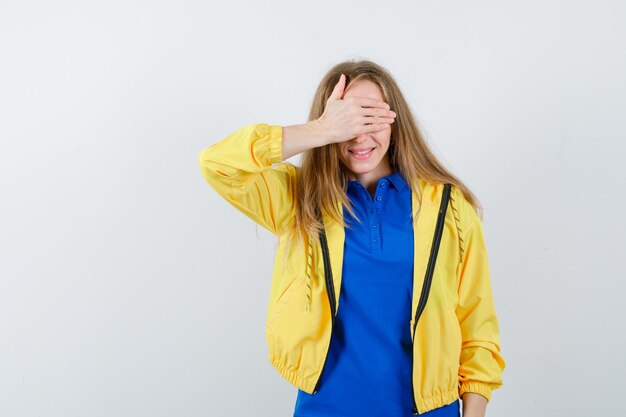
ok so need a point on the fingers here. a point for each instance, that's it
(370, 102)
(355, 115)
(374, 108)
(374, 127)
(377, 116)
(379, 120)
(373, 112)
(338, 90)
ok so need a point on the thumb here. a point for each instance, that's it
(338, 90)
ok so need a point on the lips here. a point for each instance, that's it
(360, 150)
(362, 156)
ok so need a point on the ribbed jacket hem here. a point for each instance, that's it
(436, 400)
(292, 376)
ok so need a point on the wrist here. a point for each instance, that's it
(323, 132)
(474, 405)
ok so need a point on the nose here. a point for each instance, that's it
(361, 138)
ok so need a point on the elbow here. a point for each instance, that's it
(210, 170)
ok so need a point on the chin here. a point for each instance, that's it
(362, 168)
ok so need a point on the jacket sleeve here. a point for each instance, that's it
(239, 168)
(481, 364)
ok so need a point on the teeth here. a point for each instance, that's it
(362, 152)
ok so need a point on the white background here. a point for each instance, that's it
(129, 288)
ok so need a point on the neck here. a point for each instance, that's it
(370, 179)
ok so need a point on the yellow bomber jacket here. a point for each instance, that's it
(456, 342)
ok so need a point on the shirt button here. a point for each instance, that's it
(375, 239)
(382, 185)
(379, 198)
(374, 225)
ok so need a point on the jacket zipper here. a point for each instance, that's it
(429, 277)
(330, 289)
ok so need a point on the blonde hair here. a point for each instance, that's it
(322, 180)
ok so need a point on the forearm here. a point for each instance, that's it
(302, 137)
(474, 405)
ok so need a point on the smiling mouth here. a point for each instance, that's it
(361, 152)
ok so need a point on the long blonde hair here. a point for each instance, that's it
(322, 179)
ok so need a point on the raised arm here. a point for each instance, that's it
(240, 168)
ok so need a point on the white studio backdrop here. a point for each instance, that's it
(129, 288)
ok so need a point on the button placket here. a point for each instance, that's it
(375, 218)
(373, 209)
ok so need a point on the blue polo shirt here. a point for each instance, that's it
(368, 369)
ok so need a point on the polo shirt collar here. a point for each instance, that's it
(397, 180)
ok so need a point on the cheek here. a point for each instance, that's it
(384, 138)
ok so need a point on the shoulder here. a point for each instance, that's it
(466, 211)
(465, 215)
(432, 193)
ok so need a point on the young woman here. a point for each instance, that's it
(380, 302)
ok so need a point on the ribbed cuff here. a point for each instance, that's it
(276, 144)
(476, 387)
